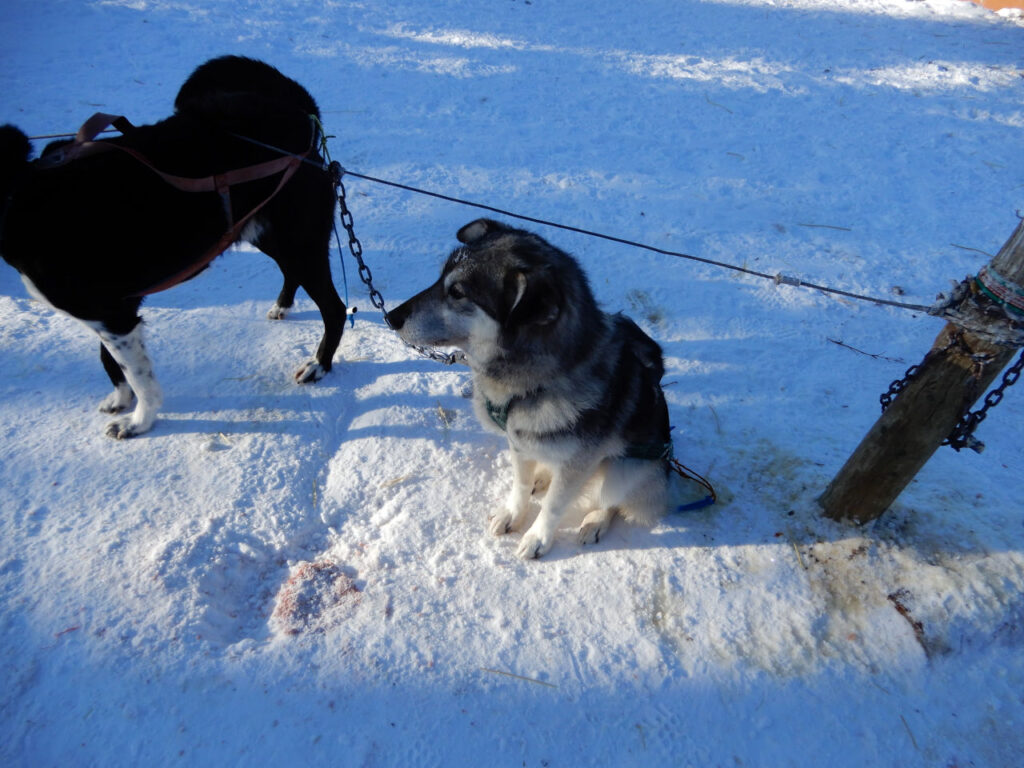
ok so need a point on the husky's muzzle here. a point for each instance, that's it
(400, 315)
(396, 317)
(420, 319)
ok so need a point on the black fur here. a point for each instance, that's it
(15, 150)
(93, 235)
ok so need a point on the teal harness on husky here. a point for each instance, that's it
(498, 413)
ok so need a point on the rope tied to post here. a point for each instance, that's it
(1001, 290)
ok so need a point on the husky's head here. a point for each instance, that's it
(502, 298)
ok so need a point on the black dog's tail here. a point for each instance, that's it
(15, 150)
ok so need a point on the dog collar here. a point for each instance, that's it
(498, 413)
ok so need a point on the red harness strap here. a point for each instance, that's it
(221, 183)
(235, 230)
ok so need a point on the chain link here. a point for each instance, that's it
(356, 249)
(962, 435)
(899, 385)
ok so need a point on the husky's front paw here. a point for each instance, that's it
(534, 545)
(512, 517)
(501, 523)
(595, 526)
(310, 372)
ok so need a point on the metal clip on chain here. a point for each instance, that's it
(337, 172)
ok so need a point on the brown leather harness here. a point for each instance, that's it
(84, 145)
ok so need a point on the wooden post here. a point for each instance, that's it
(922, 416)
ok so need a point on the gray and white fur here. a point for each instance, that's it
(576, 391)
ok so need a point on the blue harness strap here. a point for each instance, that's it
(688, 474)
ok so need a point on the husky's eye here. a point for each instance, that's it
(455, 291)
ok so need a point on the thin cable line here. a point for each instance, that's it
(776, 278)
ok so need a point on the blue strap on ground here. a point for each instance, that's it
(707, 501)
(688, 474)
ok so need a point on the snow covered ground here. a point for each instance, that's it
(284, 575)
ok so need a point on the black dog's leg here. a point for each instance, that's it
(121, 336)
(284, 301)
(121, 398)
(320, 287)
(304, 259)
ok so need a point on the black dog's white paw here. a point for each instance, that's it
(118, 401)
(123, 428)
(310, 372)
(277, 312)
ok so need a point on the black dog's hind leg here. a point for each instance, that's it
(305, 261)
(121, 398)
(320, 287)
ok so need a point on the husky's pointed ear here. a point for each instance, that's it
(477, 229)
(532, 298)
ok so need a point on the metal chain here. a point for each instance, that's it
(899, 385)
(962, 435)
(356, 248)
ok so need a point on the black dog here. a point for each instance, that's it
(95, 226)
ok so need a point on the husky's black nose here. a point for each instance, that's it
(396, 317)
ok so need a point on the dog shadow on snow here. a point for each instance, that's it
(272, 404)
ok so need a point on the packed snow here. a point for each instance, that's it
(288, 575)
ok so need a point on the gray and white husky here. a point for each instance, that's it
(576, 391)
